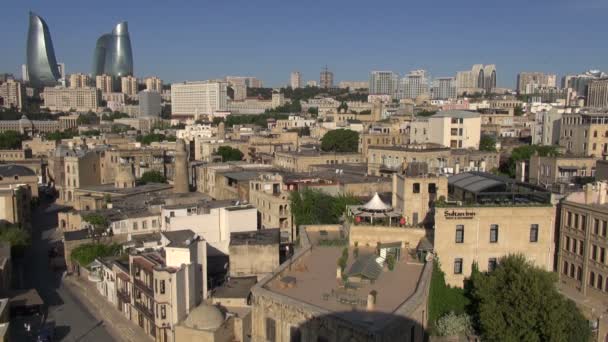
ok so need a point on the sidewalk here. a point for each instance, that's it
(118, 325)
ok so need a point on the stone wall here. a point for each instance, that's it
(371, 235)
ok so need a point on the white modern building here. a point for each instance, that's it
(295, 81)
(414, 84)
(383, 82)
(195, 98)
(451, 128)
(149, 103)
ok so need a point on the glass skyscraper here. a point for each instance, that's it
(42, 68)
(113, 55)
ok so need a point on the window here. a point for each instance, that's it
(459, 233)
(134, 225)
(416, 188)
(569, 219)
(580, 247)
(594, 252)
(432, 188)
(576, 221)
(604, 224)
(602, 255)
(492, 264)
(154, 223)
(571, 270)
(155, 285)
(579, 273)
(144, 224)
(534, 233)
(295, 335)
(163, 312)
(565, 271)
(270, 329)
(600, 282)
(592, 279)
(596, 226)
(568, 243)
(494, 233)
(458, 266)
(584, 222)
(162, 287)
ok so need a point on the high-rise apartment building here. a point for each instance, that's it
(105, 83)
(79, 80)
(580, 82)
(42, 68)
(149, 103)
(128, 86)
(154, 84)
(383, 83)
(444, 88)
(530, 82)
(597, 93)
(66, 99)
(192, 98)
(247, 81)
(481, 78)
(326, 79)
(11, 94)
(414, 84)
(295, 80)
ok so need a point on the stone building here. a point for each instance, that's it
(269, 195)
(414, 196)
(305, 300)
(585, 134)
(581, 258)
(254, 253)
(303, 160)
(486, 217)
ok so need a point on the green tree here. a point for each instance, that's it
(58, 135)
(114, 115)
(229, 154)
(314, 111)
(340, 140)
(11, 140)
(305, 207)
(17, 237)
(525, 153)
(152, 176)
(426, 113)
(519, 110)
(487, 143)
(150, 138)
(89, 118)
(519, 302)
(87, 253)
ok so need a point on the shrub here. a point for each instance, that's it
(452, 324)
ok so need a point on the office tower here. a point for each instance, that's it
(312, 83)
(413, 85)
(61, 68)
(530, 82)
(195, 98)
(580, 82)
(444, 88)
(383, 82)
(597, 93)
(42, 67)
(180, 174)
(104, 83)
(154, 84)
(66, 99)
(247, 81)
(149, 103)
(128, 86)
(326, 79)
(479, 79)
(295, 80)
(113, 55)
(11, 94)
(79, 80)
(24, 75)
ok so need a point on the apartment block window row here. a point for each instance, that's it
(574, 246)
(576, 221)
(598, 281)
(600, 227)
(494, 233)
(571, 270)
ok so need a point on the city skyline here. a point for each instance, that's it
(180, 46)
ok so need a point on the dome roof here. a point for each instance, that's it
(204, 317)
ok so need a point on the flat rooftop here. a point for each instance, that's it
(313, 278)
(111, 189)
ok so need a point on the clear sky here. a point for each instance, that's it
(198, 39)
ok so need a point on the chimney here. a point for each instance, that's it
(589, 193)
(371, 300)
(602, 195)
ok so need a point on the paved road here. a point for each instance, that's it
(73, 320)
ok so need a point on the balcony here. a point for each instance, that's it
(141, 307)
(143, 287)
(123, 295)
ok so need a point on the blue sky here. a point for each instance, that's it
(193, 40)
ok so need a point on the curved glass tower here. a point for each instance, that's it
(41, 63)
(113, 55)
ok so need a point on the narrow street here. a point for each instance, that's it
(73, 321)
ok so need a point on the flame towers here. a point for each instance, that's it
(41, 63)
(113, 55)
